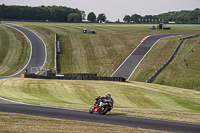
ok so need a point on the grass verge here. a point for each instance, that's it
(24, 123)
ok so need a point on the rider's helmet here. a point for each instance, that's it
(108, 96)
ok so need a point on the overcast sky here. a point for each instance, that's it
(115, 9)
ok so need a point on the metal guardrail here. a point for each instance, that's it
(57, 51)
(170, 59)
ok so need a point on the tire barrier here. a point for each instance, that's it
(73, 76)
(170, 59)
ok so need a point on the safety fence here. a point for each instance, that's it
(74, 76)
(170, 59)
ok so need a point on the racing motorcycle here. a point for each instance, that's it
(105, 105)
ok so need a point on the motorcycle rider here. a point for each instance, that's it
(99, 98)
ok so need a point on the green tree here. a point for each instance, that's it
(101, 18)
(83, 14)
(91, 17)
(135, 17)
(74, 17)
(127, 19)
(56, 13)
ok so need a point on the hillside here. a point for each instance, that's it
(176, 73)
(104, 51)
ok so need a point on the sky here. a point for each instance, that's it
(115, 9)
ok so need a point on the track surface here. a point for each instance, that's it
(109, 119)
(38, 51)
(127, 68)
(38, 58)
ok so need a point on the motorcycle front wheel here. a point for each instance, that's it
(91, 110)
(104, 110)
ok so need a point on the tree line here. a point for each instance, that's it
(92, 17)
(48, 13)
(184, 16)
(67, 14)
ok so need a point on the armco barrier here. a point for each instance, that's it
(57, 51)
(170, 59)
(56, 55)
(74, 76)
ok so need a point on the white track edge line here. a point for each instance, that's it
(30, 52)
(143, 58)
(31, 49)
(129, 56)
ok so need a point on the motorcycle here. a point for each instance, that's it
(105, 105)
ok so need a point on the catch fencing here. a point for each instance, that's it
(170, 59)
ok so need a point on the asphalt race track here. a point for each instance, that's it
(127, 68)
(38, 51)
(7, 106)
(38, 57)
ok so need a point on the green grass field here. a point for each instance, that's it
(14, 51)
(102, 53)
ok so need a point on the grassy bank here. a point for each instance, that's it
(176, 73)
(14, 51)
(99, 53)
(104, 51)
(132, 99)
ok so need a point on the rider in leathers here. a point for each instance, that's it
(98, 99)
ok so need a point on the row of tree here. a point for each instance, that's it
(92, 17)
(47, 13)
(67, 14)
(184, 16)
(55, 13)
